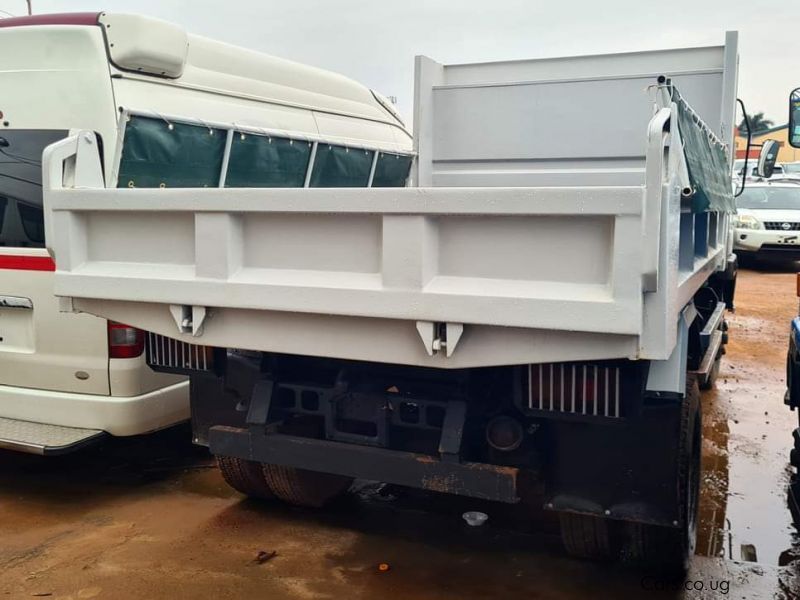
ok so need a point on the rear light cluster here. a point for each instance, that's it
(579, 389)
(124, 341)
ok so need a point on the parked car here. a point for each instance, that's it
(67, 378)
(752, 166)
(791, 169)
(768, 221)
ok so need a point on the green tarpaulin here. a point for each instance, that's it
(391, 170)
(337, 166)
(708, 163)
(160, 153)
(157, 153)
(261, 161)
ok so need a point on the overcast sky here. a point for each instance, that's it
(375, 41)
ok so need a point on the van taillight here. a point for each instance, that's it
(124, 341)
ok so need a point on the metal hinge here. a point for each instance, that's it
(440, 336)
(189, 319)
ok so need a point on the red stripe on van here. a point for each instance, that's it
(77, 18)
(27, 263)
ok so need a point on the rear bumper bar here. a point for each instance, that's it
(477, 480)
(117, 415)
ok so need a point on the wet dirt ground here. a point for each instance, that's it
(152, 518)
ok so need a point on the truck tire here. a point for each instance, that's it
(669, 549)
(304, 488)
(245, 476)
(587, 536)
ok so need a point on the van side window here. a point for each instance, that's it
(262, 161)
(391, 170)
(21, 214)
(158, 153)
(337, 166)
(3, 205)
(32, 218)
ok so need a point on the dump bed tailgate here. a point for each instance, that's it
(535, 252)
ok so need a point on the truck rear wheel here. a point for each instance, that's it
(304, 488)
(669, 549)
(587, 536)
(245, 476)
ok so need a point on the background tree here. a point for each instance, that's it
(758, 123)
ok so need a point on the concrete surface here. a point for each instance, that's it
(152, 518)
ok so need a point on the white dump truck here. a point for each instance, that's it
(528, 320)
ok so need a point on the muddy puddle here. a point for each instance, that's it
(747, 431)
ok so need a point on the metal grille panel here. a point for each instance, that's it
(579, 389)
(781, 226)
(173, 354)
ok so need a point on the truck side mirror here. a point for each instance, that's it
(794, 118)
(767, 158)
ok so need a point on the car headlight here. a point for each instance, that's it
(748, 222)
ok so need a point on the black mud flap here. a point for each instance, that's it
(628, 472)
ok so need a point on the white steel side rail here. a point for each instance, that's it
(691, 247)
(405, 285)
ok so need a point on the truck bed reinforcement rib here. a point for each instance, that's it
(477, 480)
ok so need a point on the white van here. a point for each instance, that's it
(65, 378)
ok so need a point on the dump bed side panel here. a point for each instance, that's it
(561, 121)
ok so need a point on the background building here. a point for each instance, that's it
(780, 133)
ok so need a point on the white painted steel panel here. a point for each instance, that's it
(560, 121)
(583, 262)
(284, 249)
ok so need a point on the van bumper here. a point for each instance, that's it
(117, 415)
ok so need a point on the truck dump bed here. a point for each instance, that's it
(545, 224)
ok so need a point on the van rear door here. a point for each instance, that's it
(40, 347)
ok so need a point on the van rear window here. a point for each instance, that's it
(21, 214)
